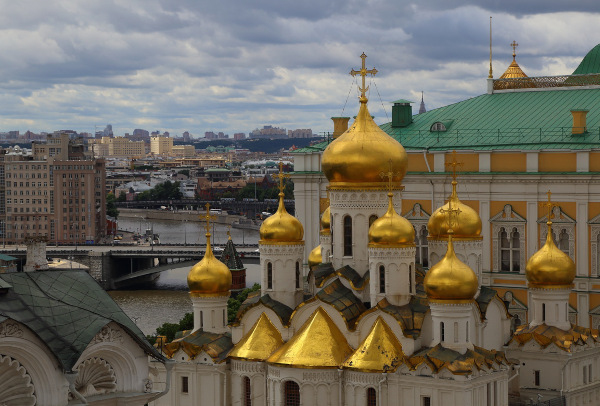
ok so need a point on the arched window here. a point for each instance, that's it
(201, 319)
(371, 397)
(297, 275)
(467, 335)
(422, 246)
(347, 236)
(372, 219)
(441, 331)
(563, 241)
(291, 393)
(269, 275)
(247, 392)
(510, 250)
(381, 279)
(543, 312)
(410, 279)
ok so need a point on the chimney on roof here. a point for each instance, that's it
(340, 125)
(401, 113)
(579, 121)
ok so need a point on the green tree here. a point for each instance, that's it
(234, 303)
(122, 197)
(111, 208)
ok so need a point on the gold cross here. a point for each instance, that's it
(281, 176)
(389, 174)
(229, 231)
(454, 164)
(549, 205)
(208, 218)
(451, 213)
(514, 46)
(363, 72)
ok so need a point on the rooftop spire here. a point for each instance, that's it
(363, 72)
(514, 46)
(490, 75)
(422, 106)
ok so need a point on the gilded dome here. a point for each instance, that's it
(362, 153)
(326, 221)
(466, 223)
(281, 226)
(450, 279)
(315, 257)
(513, 71)
(210, 276)
(391, 229)
(550, 267)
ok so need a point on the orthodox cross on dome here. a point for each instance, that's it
(451, 213)
(549, 205)
(514, 46)
(281, 176)
(363, 72)
(390, 175)
(454, 165)
(208, 218)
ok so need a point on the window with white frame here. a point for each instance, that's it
(510, 250)
(419, 218)
(508, 241)
(563, 231)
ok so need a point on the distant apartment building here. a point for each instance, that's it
(119, 147)
(269, 132)
(300, 133)
(184, 151)
(161, 145)
(56, 193)
(239, 136)
(186, 136)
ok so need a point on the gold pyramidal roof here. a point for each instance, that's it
(545, 335)
(380, 351)
(259, 343)
(514, 70)
(318, 344)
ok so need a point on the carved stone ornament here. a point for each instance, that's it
(10, 329)
(96, 377)
(16, 388)
(148, 384)
(108, 334)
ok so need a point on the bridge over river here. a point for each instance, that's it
(117, 267)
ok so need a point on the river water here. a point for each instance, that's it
(168, 299)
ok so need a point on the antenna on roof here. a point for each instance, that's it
(490, 76)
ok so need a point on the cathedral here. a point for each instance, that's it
(396, 306)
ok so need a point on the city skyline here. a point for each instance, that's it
(198, 67)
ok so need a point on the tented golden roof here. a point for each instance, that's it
(259, 343)
(281, 227)
(210, 276)
(315, 258)
(450, 279)
(326, 221)
(550, 267)
(465, 223)
(319, 343)
(380, 351)
(391, 229)
(545, 335)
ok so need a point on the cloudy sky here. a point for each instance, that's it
(235, 65)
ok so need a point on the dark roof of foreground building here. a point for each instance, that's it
(65, 309)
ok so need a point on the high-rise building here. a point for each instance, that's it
(161, 145)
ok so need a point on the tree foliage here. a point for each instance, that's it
(163, 191)
(234, 303)
(111, 208)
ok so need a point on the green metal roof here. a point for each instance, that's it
(590, 63)
(231, 258)
(4, 257)
(65, 309)
(344, 301)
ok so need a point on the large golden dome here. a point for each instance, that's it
(326, 221)
(391, 229)
(465, 224)
(550, 267)
(281, 227)
(210, 276)
(450, 279)
(315, 257)
(362, 153)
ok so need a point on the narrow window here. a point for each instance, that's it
(455, 332)
(381, 279)
(291, 393)
(371, 397)
(467, 331)
(590, 376)
(585, 378)
(504, 251)
(425, 401)
(421, 246)
(563, 241)
(543, 312)
(297, 275)
(269, 275)
(247, 392)
(347, 236)
(410, 279)
(536, 378)
(224, 318)
(442, 331)
(201, 319)
(184, 384)
(515, 251)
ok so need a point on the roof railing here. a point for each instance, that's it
(543, 82)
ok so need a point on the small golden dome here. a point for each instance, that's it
(550, 267)
(315, 258)
(362, 153)
(514, 71)
(326, 221)
(466, 223)
(450, 279)
(281, 226)
(210, 276)
(391, 229)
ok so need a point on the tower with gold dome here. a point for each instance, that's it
(281, 248)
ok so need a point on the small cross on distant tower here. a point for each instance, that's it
(514, 46)
(363, 72)
(549, 205)
(208, 218)
(281, 176)
(454, 165)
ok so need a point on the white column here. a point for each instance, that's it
(439, 162)
(532, 162)
(532, 229)
(581, 239)
(583, 161)
(484, 214)
(583, 309)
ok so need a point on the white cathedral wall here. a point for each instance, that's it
(256, 372)
(318, 387)
(496, 327)
(366, 323)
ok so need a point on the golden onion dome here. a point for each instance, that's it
(450, 279)
(550, 267)
(391, 229)
(315, 257)
(210, 276)
(362, 153)
(326, 221)
(466, 223)
(281, 227)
